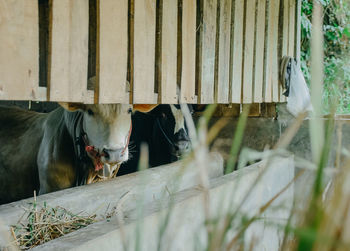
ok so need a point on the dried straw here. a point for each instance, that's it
(47, 223)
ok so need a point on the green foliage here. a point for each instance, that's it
(336, 28)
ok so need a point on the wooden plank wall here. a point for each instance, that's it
(146, 51)
(19, 50)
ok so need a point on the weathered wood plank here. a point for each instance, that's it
(292, 9)
(19, 50)
(297, 30)
(237, 52)
(169, 52)
(188, 52)
(249, 51)
(207, 67)
(144, 51)
(224, 49)
(259, 52)
(285, 38)
(69, 58)
(113, 51)
(271, 93)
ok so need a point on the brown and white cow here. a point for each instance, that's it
(49, 152)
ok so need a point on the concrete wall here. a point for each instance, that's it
(262, 132)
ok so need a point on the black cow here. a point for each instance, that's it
(164, 130)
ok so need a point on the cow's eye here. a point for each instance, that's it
(129, 111)
(90, 112)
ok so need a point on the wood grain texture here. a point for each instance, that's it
(297, 29)
(113, 51)
(224, 51)
(69, 58)
(292, 8)
(237, 52)
(188, 52)
(169, 52)
(249, 52)
(259, 52)
(285, 38)
(144, 51)
(271, 93)
(207, 67)
(19, 50)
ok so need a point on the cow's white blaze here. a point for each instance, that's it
(108, 127)
(179, 119)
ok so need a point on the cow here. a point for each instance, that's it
(53, 151)
(165, 132)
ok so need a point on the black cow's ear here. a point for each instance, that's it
(144, 107)
(72, 106)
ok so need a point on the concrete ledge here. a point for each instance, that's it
(150, 185)
(186, 229)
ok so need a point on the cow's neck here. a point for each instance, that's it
(74, 123)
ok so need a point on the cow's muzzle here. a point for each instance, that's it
(114, 156)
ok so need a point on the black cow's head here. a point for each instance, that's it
(170, 138)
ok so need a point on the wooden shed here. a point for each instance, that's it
(146, 51)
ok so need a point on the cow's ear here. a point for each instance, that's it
(144, 108)
(72, 106)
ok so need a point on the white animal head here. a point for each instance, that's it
(108, 128)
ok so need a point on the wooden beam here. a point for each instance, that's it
(207, 62)
(237, 56)
(248, 63)
(19, 50)
(188, 68)
(271, 60)
(224, 49)
(259, 52)
(113, 51)
(144, 51)
(169, 52)
(69, 54)
(285, 38)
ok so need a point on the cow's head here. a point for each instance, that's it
(107, 128)
(170, 132)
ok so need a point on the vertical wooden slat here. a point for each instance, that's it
(249, 51)
(19, 50)
(297, 29)
(70, 20)
(285, 38)
(259, 52)
(144, 51)
(169, 52)
(207, 67)
(237, 52)
(113, 51)
(97, 51)
(224, 49)
(291, 39)
(271, 60)
(188, 52)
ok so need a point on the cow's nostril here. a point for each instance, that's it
(105, 153)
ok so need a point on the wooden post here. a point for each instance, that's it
(19, 51)
(69, 54)
(113, 51)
